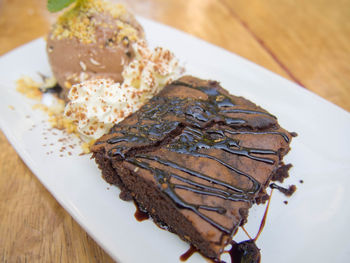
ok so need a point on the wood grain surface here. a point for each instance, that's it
(305, 41)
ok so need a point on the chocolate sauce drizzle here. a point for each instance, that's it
(163, 179)
(194, 125)
(140, 215)
(185, 256)
(247, 251)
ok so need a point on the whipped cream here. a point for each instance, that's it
(150, 71)
(96, 105)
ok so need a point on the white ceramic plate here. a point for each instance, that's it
(313, 227)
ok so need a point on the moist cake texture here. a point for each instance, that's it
(195, 158)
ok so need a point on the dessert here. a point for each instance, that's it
(195, 158)
(96, 105)
(92, 40)
(103, 66)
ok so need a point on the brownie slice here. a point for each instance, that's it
(195, 158)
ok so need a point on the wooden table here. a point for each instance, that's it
(307, 42)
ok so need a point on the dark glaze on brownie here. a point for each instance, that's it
(203, 122)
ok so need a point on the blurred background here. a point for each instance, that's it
(307, 42)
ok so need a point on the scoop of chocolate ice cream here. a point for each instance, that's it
(92, 40)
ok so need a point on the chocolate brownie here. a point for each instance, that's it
(195, 158)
